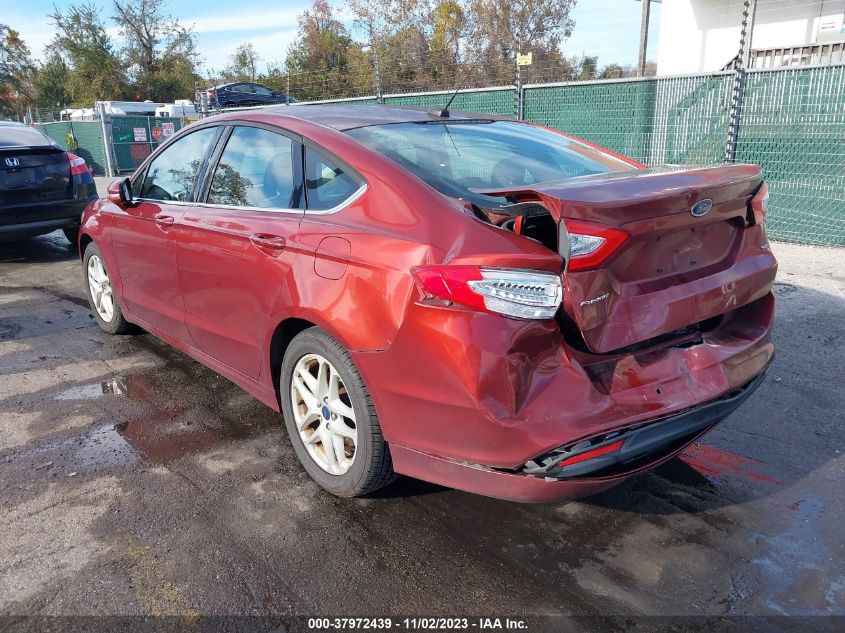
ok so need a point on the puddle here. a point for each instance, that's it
(103, 448)
(166, 436)
(161, 426)
(794, 556)
(115, 386)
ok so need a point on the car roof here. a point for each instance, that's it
(343, 117)
(239, 83)
(11, 123)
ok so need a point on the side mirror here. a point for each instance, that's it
(120, 192)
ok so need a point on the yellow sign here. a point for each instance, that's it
(523, 59)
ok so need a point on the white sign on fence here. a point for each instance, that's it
(140, 134)
(167, 129)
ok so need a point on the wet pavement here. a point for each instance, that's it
(133, 480)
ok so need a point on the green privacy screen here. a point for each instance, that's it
(656, 121)
(792, 122)
(136, 137)
(488, 100)
(494, 101)
(89, 140)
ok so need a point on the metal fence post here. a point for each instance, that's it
(150, 133)
(377, 70)
(740, 74)
(108, 141)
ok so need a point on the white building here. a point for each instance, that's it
(698, 36)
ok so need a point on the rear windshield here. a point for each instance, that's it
(454, 157)
(22, 136)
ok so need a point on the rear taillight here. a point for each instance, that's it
(521, 294)
(592, 453)
(760, 204)
(77, 165)
(591, 244)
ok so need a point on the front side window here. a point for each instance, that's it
(172, 174)
(326, 184)
(257, 169)
(459, 156)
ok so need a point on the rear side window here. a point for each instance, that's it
(257, 169)
(326, 184)
(172, 175)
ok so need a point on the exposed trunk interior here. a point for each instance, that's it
(675, 272)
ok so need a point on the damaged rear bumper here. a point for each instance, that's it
(620, 452)
(467, 400)
(644, 447)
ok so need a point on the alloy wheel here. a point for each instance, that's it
(101, 290)
(323, 413)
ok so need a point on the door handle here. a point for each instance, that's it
(265, 240)
(164, 220)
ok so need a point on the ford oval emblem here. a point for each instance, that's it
(701, 207)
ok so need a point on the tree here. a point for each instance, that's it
(51, 83)
(95, 71)
(448, 23)
(497, 28)
(318, 59)
(242, 64)
(17, 73)
(617, 71)
(397, 26)
(160, 54)
(585, 68)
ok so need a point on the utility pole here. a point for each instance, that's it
(641, 61)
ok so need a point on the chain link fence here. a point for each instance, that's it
(83, 138)
(791, 121)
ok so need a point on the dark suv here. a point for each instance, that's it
(244, 94)
(42, 187)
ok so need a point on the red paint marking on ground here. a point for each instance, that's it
(715, 462)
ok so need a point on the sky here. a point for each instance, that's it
(607, 28)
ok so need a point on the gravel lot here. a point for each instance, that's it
(134, 481)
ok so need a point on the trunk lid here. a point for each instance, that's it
(674, 269)
(33, 174)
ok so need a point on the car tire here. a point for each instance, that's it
(72, 235)
(110, 321)
(371, 465)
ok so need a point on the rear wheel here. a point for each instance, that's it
(330, 417)
(101, 295)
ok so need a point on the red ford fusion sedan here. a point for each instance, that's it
(477, 302)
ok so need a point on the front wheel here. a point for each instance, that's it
(101, 295)
(330, 418)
